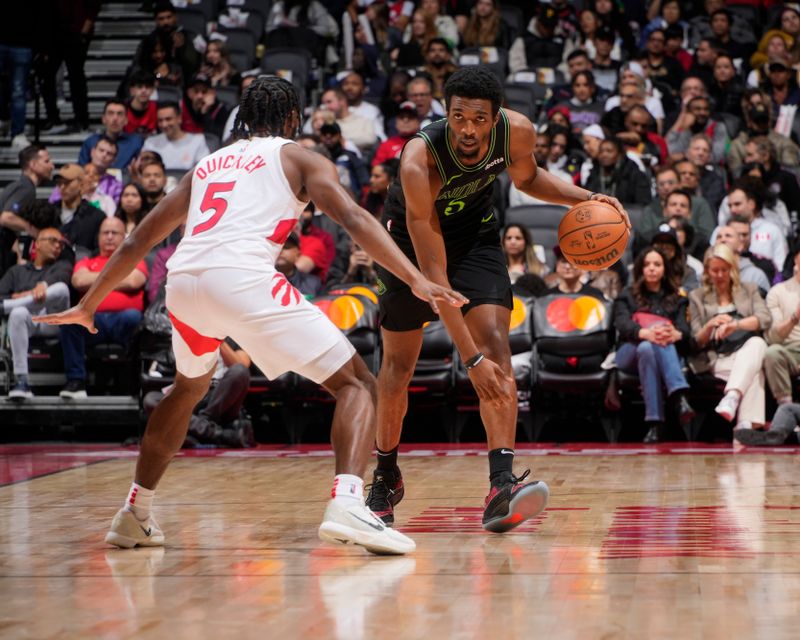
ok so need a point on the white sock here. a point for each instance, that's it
(346, 488)
(140, 501)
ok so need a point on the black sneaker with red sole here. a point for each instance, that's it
(513, 502)
(385, 492)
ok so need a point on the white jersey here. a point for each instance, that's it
(241, 210)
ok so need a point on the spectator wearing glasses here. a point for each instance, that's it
(420, 92)
(117, 316)
(32, 288)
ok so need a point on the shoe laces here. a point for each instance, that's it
(379, 488)
(517, 480)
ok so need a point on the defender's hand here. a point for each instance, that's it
(432, 292)
(75, 315)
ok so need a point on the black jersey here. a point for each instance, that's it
(464, 202)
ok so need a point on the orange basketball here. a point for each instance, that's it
(593, 235)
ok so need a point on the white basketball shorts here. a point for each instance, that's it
(278, 328)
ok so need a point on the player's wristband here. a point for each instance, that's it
(474, 361)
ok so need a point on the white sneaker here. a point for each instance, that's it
(728, 406)
(127, 531)
(19, 141)
(355, 524)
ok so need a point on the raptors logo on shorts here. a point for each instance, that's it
(283, 292)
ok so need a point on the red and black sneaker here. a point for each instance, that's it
(385, 492)
(512, 503)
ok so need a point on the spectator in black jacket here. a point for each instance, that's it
(306, 283)
(29, 289)
(616, 174)
(80, 221)
(650, 318)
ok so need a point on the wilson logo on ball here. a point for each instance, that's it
(593, 235)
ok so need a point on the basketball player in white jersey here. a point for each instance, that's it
(242, 202)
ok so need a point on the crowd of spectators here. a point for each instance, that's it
(686, 112)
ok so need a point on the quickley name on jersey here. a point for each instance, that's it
(465, 201)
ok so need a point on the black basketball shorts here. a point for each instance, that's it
(481, 276)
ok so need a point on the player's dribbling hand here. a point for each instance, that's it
(432, 292)
(491, 384)
(75, 315)
(601, 197)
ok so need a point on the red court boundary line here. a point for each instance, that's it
(24, 462)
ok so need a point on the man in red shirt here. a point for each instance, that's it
(407, 123)
(142, 117)
(118, 314)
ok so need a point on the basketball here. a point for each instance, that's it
(593, 235)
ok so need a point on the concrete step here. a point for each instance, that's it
(127, 28)
(10, 158)
(125, 46)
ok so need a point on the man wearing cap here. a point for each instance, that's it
(201, 110)
(80, 221)
(179, 150)
(665, 239)
(407, 125)
(782, 362)
(348, 162)
(539, 46)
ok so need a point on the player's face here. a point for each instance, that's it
(653, 269)
(471, 122)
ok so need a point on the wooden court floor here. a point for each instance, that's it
(690, 543)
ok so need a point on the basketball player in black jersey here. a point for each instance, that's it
(440, 211)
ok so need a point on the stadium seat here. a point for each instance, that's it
(521, 97)
(572, 337)
(192, 20)
(229, 96)
(293, 64)
(514, 19)
(493, 58)
(241, 40)
(169, 94)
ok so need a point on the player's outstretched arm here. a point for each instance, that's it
(157, 225)
(539, 183)
(314, 177)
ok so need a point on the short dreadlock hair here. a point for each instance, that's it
(476, 83)
(265, 108)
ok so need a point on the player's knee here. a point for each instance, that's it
(396, 370)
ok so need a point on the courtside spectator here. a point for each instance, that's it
(117, 316)
(35, 287)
